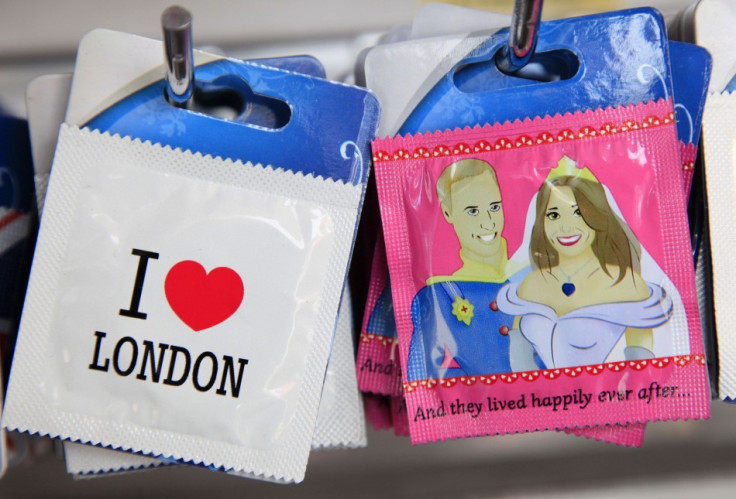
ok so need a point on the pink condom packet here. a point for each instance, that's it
(630, 435)
(517, 324)
(377, 364)
(399, 416)
(377, 411)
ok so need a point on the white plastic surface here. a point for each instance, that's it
(294, 227)
(340, 420)
(442, 19)
(719, 147)
(399, 92)
(714, 22)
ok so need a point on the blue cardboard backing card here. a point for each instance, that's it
(325, 117)
(691, 66)
(621, 57)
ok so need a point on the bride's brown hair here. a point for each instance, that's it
(614, 242)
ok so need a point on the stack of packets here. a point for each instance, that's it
(189, 268)
(537, 271)
(709, 23)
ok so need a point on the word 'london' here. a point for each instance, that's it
(125, 355)
(205, 364)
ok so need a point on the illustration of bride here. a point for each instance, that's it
(585, 289)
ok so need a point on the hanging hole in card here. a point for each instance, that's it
(230, 97)
(523, 35)
(548, 66)
(227, 97)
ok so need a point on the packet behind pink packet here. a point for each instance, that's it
(377, 411)
(630, 435)
(399, 416)
(378, 365)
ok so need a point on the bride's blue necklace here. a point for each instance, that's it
(568, 287)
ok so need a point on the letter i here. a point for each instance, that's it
(140, 276)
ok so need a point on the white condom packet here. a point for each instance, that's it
(113, 349)
(440, 19)
(302, 316)
(709, 23)
(400, 92)
(340, 420)
(47, 97)
(719, 135)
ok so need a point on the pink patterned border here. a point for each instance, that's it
(379, 338)
(552, 374)
(377, 353)
(688, 155)
(523, 140)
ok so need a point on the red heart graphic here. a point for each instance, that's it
(202, 300)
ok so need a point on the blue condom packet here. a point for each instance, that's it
(259, 210)
(17, 224)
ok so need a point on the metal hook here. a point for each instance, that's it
(176, 23)
(522, 36)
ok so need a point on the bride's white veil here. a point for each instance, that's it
(671, 338)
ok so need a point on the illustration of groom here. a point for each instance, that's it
(458, 329)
